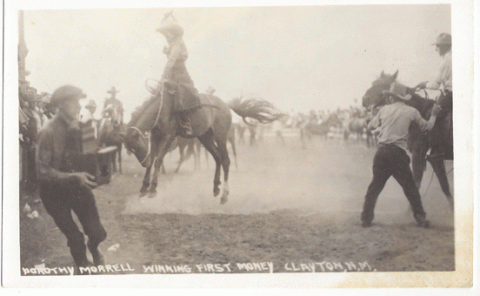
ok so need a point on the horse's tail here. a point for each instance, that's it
(259, 109)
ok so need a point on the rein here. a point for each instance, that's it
(155, 124)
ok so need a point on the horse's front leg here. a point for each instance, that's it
(163, 147)
(146, 182)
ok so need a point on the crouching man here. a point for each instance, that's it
(391, 158)
(62, 190)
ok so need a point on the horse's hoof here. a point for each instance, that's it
(450, 202)
(142, 194)
(223, 200)
(152, 194)
(216, 191)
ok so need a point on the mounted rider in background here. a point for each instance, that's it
(115, 104)
(175, 77)
(438, 136)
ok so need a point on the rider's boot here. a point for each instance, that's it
(185, 125)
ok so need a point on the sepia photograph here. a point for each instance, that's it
(238, 146)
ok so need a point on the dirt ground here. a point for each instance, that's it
(295, 208)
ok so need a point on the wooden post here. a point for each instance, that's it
(22, 48)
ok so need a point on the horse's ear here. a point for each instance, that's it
(394, 76)
(382, 74)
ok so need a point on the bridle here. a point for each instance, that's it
(147, 138)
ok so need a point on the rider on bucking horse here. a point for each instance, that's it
(175, 77)
(443, 45)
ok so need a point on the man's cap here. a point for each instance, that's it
(66, 92)
(91, 104)
(113, 90)
(169, 24)
(398, 90)
(442, 39)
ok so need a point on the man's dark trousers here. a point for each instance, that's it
(391, 160)
(59, 201)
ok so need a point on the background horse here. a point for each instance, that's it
(110, 133)
(193, 147)
(418, 142)
(358, 126)
(210, 124)
(309, 127)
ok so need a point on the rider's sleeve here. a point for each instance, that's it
(443, 75)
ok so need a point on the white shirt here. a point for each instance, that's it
(394, 121)
(444, 76)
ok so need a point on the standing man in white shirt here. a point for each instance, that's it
(391, 158)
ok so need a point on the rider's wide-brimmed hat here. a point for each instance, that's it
(66, 92)
(443, 39)
(91, 104)
(398, 90)
(169, 24)
(113, 90)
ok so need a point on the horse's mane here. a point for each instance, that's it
(140, 110)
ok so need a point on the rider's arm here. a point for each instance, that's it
(443, 75)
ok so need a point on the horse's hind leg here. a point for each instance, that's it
(209, 143)
(222, 148)
(438, 166)
(114, 161)
(120, 158)
(232, 141)
(182, 158)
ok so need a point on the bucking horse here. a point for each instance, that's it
(418, 142)
(210, 123)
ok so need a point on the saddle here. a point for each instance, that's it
(186, 98)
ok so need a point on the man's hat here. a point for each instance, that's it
(91, 104)
(442, 39)
(112, 90)
(398, 90)
(43, 97)
(66, 92)
(169, 24)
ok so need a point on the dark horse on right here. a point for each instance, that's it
(418, 142)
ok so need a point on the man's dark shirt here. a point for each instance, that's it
(52, 142)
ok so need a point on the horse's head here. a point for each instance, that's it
(138, 143)
(374, 95)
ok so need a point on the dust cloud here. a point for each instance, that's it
(327, 177)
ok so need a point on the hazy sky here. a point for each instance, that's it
(297, 57)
